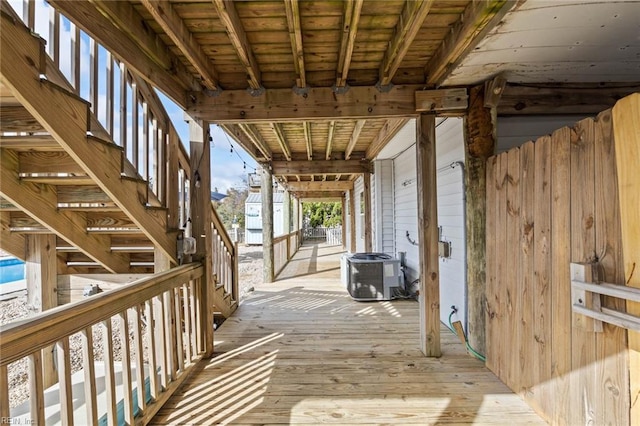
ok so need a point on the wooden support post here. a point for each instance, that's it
(368, 238)
(428, 236)
(267, 224)
(344, 221)
(626, 125)
(480, 144)
(352, 221)
(42, 280)
(200, 212)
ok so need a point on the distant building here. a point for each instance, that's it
(253, 217)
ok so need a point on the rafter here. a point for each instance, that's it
(231, 21)
(41, 203)
(411, 19)
(177, 31)
(310, 196)
(292, 168)
(478, 18)
(256, 138)
(349, 31)
(120, 28)
(307, 140)
(343, 185)
(318, 104)
(332, 128)
(388, 131)
(295, 33)
(282, 140)
(354, 138)
(240, 137)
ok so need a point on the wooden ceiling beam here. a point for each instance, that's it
(307, 140)
(388, 131)
(332, 128)
(343, 185)
(177, 31)
(295, 34)
(411, 19)
(229, 17)
(562, 99)
(240, 137)
(478, 18)
(256, 138)
(319, 104)
(291, 168)
(282, 140)
(320, 196)
(40, 201)
(121, 29)
(354, 138)
(350, 22)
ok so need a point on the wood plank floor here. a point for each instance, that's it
(300, 351)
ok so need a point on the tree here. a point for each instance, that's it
(323, 214)
(232, 207)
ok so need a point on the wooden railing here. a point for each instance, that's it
(224, 251)
(284, 247)
(127, 108)
(160, 337)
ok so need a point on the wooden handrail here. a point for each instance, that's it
(217, 223)
(22, 338)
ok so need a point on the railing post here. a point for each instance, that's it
(236, 276)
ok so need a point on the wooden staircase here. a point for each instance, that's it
(62, 173)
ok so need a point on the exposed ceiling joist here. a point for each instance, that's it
(176, 30)
(291, 168)
(476, 21)
(354, 138)
(241, 138)
(347, 42)
(295, 34)
(231, 21)
(388, 131)
(411, 19)
(256, 138)
(332, 128)
(343, 185)
(307, 140)
(319, 104)
(120, 28)
(282, 140)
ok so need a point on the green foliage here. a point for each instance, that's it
(232, 206)
(323, 214)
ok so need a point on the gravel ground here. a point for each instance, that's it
(250, 270)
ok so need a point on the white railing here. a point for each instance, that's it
(160, 339)
(334, 236)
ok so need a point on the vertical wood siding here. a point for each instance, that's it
(550, 203)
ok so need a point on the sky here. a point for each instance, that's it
(228, 169)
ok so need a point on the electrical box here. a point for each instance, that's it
(444, 249)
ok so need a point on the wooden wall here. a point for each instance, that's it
(550, 203)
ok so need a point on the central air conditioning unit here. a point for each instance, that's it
(372, 276)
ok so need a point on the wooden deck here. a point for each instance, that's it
(300, 351)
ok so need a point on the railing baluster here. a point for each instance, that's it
(93, 75)
(54, 35)
(153, 373)
(178, 328)
(4, 396)
(196, 292)
(36, 388)
(138, 346)
(75, 57)
(145, 142)
(126, 368)
(124, 79)
(169, 331)
(89, 376)
(186, 300)
(30, 13)
(109, 94)
(64, 380)
(135, 118)
(161, 341)
(109, 373)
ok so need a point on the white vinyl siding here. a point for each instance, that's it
(358, 189)
(383, 206)
(405, 202)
